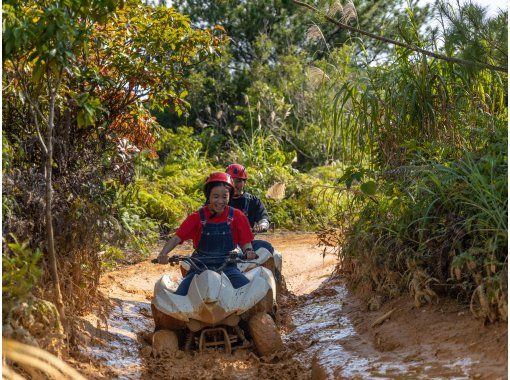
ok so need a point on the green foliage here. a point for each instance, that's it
(427, 208)
(20, 271)
(261, 80)
(447, 220)
(474, 36)
(52, 34)
(178, 146)
(245, 22)
(83, 75)
(163, 193)
(292, 102)
(111, 256)
(307, 198)
(136, 230)
(414, 103)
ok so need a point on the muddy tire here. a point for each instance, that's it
(265, 335)
(165, 322)
(281, 286)
(164, 342)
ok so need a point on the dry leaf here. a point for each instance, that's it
(276, 191)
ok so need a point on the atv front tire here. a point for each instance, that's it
(265, 335)
(164, 341)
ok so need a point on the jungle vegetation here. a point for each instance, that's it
(114, 112)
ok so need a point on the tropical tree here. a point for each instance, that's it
(79, 78)
(41, 41)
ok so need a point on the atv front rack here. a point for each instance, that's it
(215, 337)
(218, 337)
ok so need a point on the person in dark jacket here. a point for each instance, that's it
(249, 204)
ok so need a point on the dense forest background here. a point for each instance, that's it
(114, 112)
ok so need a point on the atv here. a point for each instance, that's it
(213, 313)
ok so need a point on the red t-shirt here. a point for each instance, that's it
(191, 228)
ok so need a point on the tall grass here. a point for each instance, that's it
(434, 136)
(391, 112)
(441, 228)
(385, 112)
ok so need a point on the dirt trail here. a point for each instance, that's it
(326, 330)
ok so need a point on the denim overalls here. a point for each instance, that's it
(213, 248)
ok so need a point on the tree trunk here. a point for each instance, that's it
(48, 212)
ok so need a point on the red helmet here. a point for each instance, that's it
(237, 171)
(218, 177)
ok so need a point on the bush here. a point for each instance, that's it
(438, 228)
(20, 272)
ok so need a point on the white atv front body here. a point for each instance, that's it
(211, 298)
(209, 315)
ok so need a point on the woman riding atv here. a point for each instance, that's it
(216, 229)
(206, 309)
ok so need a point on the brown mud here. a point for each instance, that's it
(327, 332)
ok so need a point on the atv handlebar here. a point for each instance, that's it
(233, 257)
(175, 259)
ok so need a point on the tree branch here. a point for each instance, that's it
(404, 45)
(38, 131)
(34, 110)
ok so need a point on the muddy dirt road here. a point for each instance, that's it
(327, 332)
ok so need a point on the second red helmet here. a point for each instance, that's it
(237, 171)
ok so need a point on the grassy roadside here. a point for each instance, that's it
(431, 230)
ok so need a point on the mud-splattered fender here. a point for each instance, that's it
(211, 297)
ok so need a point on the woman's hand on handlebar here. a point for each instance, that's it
(250, 254)
(169, 246)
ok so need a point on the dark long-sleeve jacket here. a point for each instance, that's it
(252, 207)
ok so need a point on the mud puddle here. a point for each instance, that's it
(326, 331)
(117, 345)
(339, 351)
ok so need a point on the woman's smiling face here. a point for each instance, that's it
(218, 198)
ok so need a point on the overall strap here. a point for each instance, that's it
(201, 212)
(230, 216)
